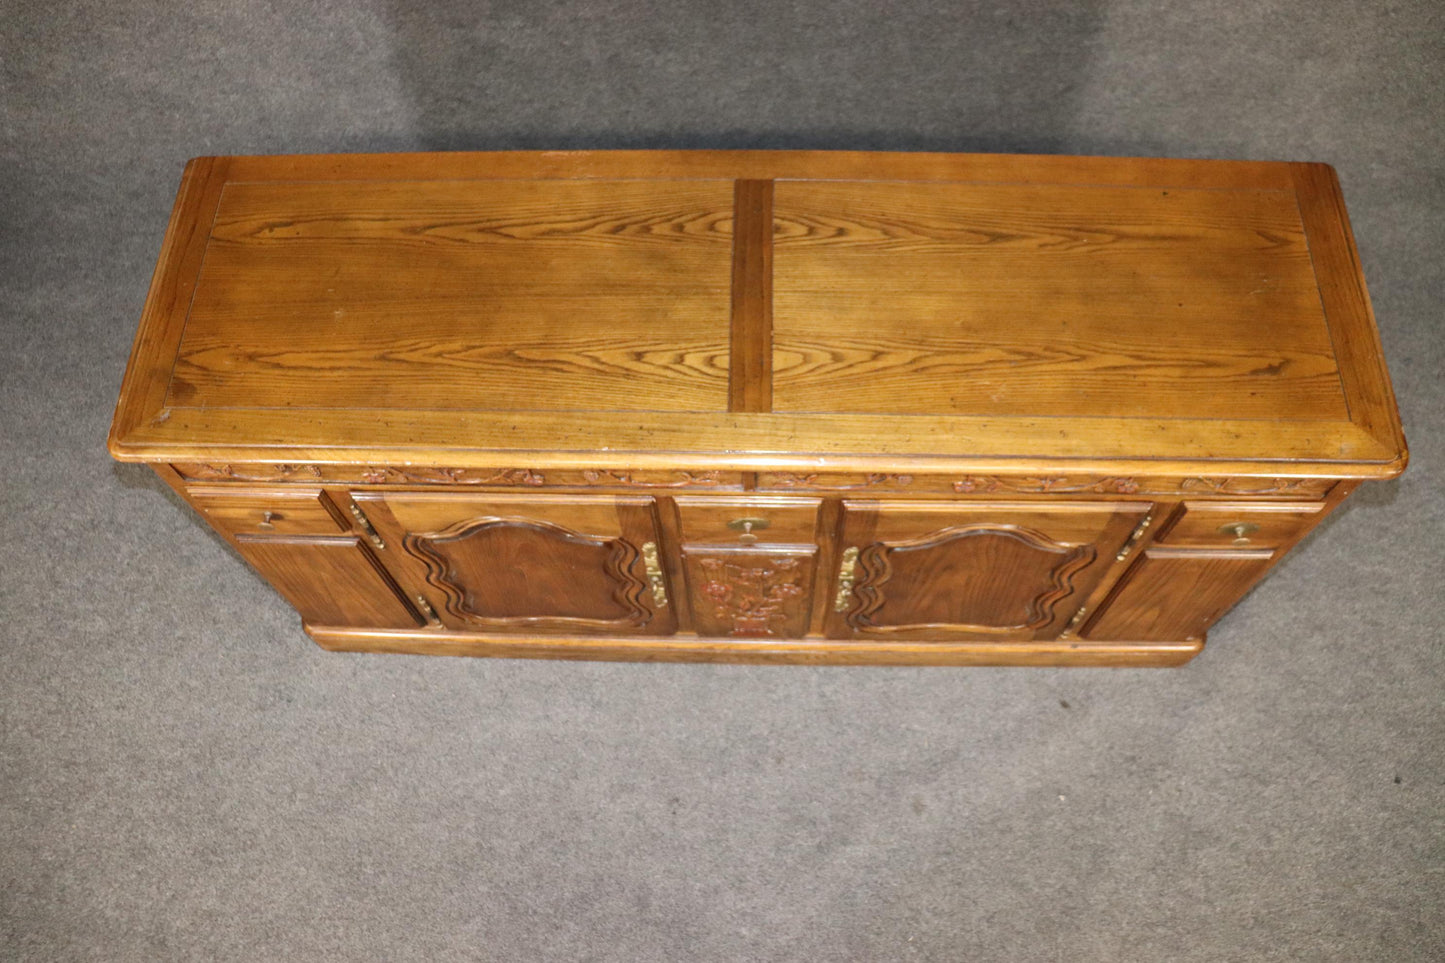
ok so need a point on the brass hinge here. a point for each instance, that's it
(364, 524)
(846, 575)
(1134, 537)
(654, 574)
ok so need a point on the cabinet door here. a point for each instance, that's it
(944, 571)
(1174, 594)
(330, 580)
(550, 564)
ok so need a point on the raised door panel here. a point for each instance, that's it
(998, 571)
(1174, 594)
(532, 564)
(330, 580)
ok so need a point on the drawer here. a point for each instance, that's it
(746, 521)
(281, 512)
(1239, 524)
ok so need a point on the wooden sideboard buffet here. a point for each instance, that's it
(760, 406)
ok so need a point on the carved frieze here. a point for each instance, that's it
(1049, 484)
(467, 477)
(767, 481)
(784, 479)
(655, 479)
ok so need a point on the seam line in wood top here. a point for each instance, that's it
(195, 287)
(790, 412)
(1320, 294)
(152, 361)
(309, 182)
(750, 368)
(988, 183)
(784, 180)
(769, 461)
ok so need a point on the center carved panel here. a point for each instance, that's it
(995, 579)
(751, 593)
(497, 572)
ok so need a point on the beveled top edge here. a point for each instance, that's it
(750, 442)
(140, 431)
(767, 164)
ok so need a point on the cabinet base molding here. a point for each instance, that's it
(770, 652)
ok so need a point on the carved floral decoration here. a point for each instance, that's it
(755, 599)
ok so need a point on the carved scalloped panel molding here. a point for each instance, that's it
(878, 567)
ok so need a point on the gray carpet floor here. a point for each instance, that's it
(184, 776)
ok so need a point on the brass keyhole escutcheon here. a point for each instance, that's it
(1240, 530)
(746, 527)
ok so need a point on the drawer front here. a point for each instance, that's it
(1236, 525)
(747, 521)
(255, 512)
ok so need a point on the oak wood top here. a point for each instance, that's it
(761, 309)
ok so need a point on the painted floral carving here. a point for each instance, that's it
(755, 599)
(1048, 483)
(419, 475)
(674, 479)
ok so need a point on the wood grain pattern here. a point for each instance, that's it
(980, 409)
(949, 571)
(1174, 594)
(330, 580)
(276, 511)
(1341, 280)
(413, 475)
(1009, 300)
(1205, 524)
(713, 520)
(152, 357)
(904, 484)
(761, 591)
(529, 295)
(768, 165)
(751, 368)
(524, 563)
(740, 441)
(501, 572)
(652, 231)
(971, 578)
